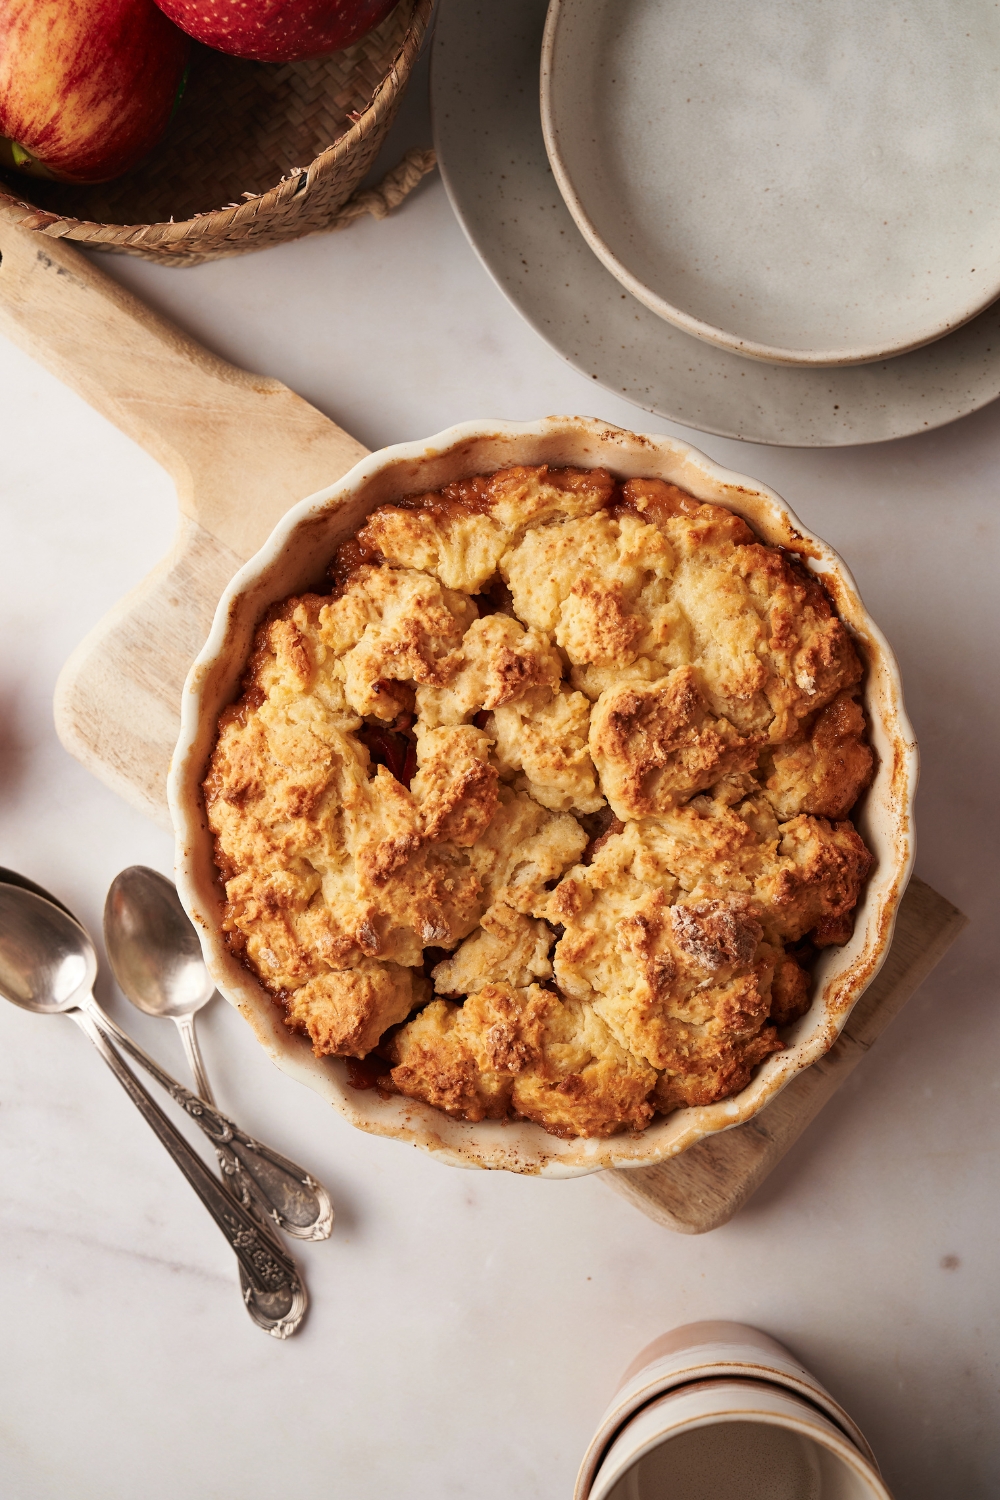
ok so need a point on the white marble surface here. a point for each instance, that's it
(466, 1328)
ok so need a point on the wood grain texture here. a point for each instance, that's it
(705, 1186)
(241, 449)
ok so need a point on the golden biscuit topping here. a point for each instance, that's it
(576, 756)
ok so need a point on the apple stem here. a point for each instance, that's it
(180, 92)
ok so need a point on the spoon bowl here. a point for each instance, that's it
(47, 961)
(152, 946)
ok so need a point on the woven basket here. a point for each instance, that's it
(229, 174)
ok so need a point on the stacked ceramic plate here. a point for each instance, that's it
(804, 184)
(801, 198)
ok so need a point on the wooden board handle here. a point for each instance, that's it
(241, 448)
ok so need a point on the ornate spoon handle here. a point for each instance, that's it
(288, 1195)
(273, 1293)
(235, 1181)
(261, 1178)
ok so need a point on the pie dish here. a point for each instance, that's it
(295, 560)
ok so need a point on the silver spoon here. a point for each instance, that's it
(217, 1127)
(156, 957)
(48, 966)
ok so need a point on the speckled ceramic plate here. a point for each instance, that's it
(812, 184)
(295, 558)
(484, 90)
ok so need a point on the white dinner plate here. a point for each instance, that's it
(807, 183)
(484, 89)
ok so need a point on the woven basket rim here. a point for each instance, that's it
(218, 220)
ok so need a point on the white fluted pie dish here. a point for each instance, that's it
(296, 557)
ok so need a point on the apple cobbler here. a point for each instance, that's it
(543, 808)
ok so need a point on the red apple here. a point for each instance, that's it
(86, 86)
(276, 30)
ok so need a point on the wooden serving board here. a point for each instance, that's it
(242, 449)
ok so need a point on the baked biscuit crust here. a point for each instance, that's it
(576, 756)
